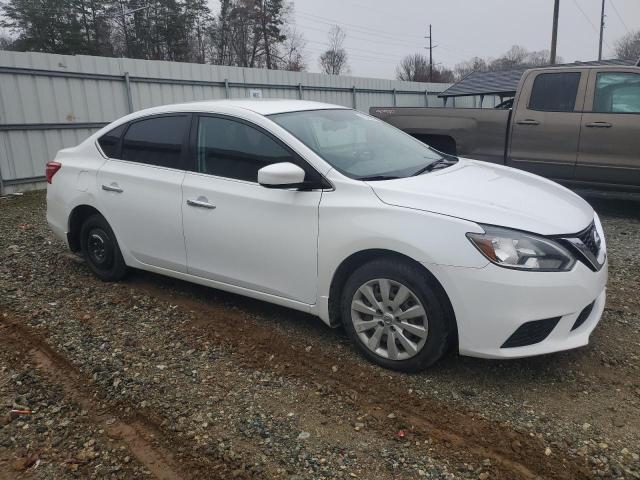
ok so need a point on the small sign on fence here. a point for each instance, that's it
(255, 93)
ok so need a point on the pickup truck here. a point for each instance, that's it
(579, 126)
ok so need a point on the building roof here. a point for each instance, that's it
(505, 82)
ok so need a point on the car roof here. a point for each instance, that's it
(260, 106)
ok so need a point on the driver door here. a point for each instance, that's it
(238, 232)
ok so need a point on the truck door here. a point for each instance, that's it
(609, 146)
(545, 128)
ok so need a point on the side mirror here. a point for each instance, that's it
(281, 175)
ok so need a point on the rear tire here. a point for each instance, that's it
(405, 326)
(100, 249)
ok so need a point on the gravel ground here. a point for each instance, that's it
(158, 378)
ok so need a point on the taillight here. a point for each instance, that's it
(52, 168)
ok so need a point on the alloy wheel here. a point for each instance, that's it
(389, 319)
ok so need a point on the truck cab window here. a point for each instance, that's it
(617, 92)
(555, 92)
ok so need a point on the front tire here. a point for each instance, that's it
(394, 315)
(100, 249)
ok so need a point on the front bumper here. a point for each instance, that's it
(491, 303)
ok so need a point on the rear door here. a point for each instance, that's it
(609, 146)
(545, 129)
(140, 189)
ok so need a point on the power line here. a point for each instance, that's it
(364, 28)
(593, 25)
(392, 38)
(367, 55)
(349, 35)
(613, 5)
(375, 54)
(382, 38)
(384, 42)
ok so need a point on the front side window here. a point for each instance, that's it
(555, 92)
(232, 149)
(617, 92)
(109, 141)
(156, 141)
(357, 145)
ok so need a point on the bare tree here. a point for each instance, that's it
(513, 58)
(628, 47)
(5, 42)
(516, 57)
(293, 51)
(476, 64)
(442, 75)
(415, 68)
(334, 60)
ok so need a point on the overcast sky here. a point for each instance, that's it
(381, 32)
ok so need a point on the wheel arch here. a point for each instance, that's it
(357, 259)
(76, 218)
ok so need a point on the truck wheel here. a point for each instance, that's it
(395, 318)
(101, 250)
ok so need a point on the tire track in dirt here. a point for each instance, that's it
(137, 434)
(453, 431)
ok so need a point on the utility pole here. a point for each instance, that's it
(430, 55)
(601, 31)
(554, 32)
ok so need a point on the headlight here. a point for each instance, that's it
(524, 251)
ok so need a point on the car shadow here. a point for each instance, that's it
(493, 373)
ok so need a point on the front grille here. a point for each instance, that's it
(587, 246)
(584, 314)
(531, 332)
(588, 238)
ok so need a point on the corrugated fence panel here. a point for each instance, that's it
(49, 102)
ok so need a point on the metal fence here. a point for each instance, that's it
(49, 102)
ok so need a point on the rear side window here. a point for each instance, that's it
(109, 141)
(231, 149)
(617, 92)
(555, 92)
(156, 141)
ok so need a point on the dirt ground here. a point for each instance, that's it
(158, 378)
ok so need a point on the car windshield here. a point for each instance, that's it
(359, 146)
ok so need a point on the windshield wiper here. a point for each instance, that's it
(440, 163)
(379, 177)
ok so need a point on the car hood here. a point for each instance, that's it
(491, 194)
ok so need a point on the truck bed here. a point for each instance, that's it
(479, 133)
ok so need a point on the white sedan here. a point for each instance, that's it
(330, 211)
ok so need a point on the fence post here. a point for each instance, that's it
(395, 99)
(226, 87)
(127, 83)
(355, 100)
(300, 91)
(426, 98)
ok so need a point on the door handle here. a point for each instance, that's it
(598, 125)
(528, 121)
(201, 202)
(112, 188)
